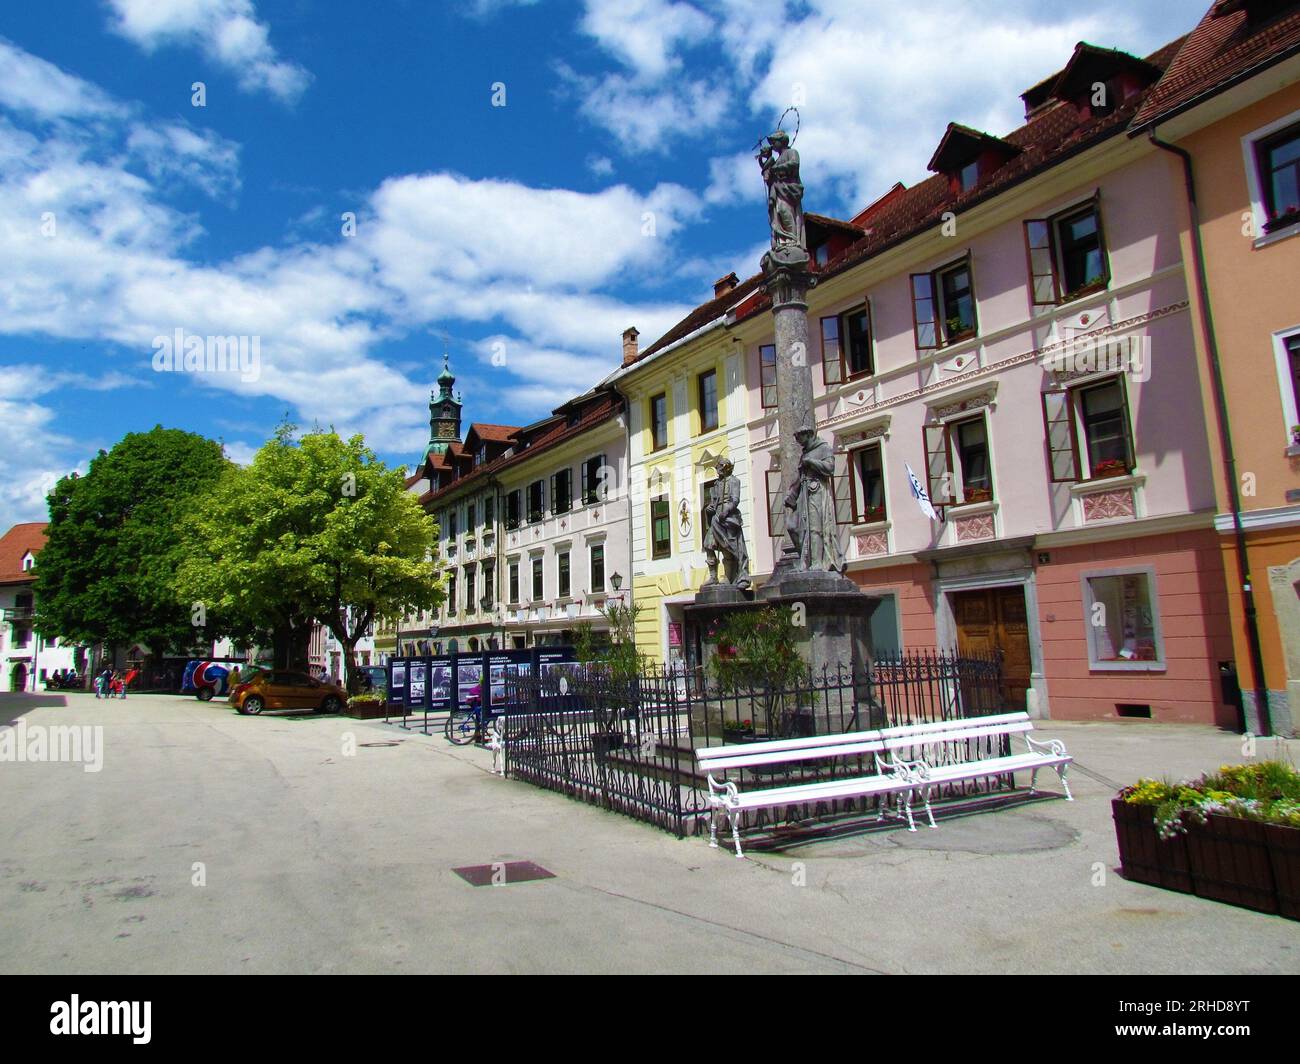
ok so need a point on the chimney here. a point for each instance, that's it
(723, 285)
(629, 345)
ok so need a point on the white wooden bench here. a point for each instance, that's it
(908, 758)
(892, 776)
(936, 746)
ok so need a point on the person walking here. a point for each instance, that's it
(102, 682)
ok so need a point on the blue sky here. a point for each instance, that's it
(614, 185)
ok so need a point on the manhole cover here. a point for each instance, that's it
(386, 742)
(502, 873)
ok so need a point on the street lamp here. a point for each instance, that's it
(617, 581)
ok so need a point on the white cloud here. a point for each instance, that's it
(429, 248)
(33, 86)
(175, 151)
(31, 447)
(646, 34)
(227, 31)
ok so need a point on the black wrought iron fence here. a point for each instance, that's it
(629, 745)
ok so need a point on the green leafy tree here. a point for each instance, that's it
(316, 527)
(107, 571)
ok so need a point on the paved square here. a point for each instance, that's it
(211, 842)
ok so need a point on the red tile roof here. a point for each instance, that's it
(703, 314)
(494, 433)
(14, 545)
(1224, 48)
(596, 408)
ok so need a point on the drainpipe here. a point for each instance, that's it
(1225, 438)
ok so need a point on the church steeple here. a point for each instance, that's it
(444, 412)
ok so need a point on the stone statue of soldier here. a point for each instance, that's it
(780, 166)
(725, 534)
(811, 524)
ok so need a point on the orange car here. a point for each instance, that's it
(278, 689)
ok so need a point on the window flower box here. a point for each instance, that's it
(978, 495)
(1288, 217)
(1112, 467)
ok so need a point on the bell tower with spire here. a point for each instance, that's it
(444, 412)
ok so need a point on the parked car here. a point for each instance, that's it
(279, 689)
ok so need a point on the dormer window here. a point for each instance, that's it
(29, 560)
(967, 156)
(1097, 80)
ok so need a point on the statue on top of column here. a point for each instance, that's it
(780, 165)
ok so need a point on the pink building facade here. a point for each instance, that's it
(1015, 331)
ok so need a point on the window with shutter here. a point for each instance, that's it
(1062, 437)
(593, 490)
(842, 489)
(767, 375)
(938, 465)
(776, 510)
(832, 354)
(924, 312)
(868, 483)
(1041, 251)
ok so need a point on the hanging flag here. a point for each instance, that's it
(921, 496)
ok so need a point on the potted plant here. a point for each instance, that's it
(367, 706)
(1295, 435)
(874, 513)
(738, 731)
(1110, 467)
(1232, 835)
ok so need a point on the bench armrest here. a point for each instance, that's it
(1052, 746)
(724, 792)
(910, 771)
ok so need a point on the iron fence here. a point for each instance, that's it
(629, 745)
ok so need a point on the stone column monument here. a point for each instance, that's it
(831, 613)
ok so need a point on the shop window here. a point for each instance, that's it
(1122, 621)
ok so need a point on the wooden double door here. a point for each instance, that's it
(995, 618)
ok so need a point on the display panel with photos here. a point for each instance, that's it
(417, 680)
(442, 679)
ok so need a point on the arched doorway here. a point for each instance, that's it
(18, 677)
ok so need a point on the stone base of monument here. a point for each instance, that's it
(831, 614)
(722, 594)
(836, 618)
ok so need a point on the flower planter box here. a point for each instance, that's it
(1143, 855)
(366, 711)
(1229, 862)
(1227, 859)
(1284, 855)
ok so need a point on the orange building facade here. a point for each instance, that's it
(1230, 103)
